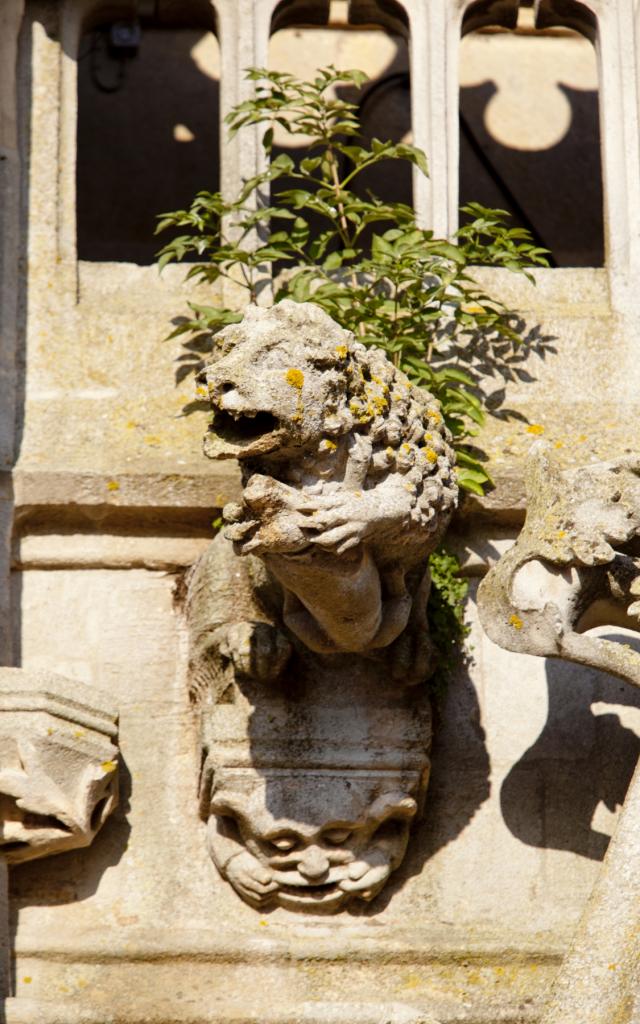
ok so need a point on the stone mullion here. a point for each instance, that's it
(243, 36)
(431, 116)
(618, 74)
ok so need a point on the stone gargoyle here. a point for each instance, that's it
(575, 566)
(307, 614)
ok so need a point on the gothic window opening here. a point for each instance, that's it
(371, 35)
(148, 125)
(529, 124)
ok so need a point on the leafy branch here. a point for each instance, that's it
(366, 262)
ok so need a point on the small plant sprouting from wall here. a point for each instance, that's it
(366, 262)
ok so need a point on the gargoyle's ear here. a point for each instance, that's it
(393, 805)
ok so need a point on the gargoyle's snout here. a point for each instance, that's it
(229, 399)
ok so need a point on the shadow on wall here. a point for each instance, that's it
(556, 193)
(458, 787)
(583, 758)
(73, 876)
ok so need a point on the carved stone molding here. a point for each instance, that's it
(58, 764)
(307, 616)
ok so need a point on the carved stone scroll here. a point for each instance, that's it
(576, 565)
(307, 616)
(58, 764)
(58, 774)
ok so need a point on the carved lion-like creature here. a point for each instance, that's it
(317, 587)
(348, 484)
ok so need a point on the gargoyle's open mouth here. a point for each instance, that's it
(309, 890)
(242, 434)
(244, 427)
(321, 897)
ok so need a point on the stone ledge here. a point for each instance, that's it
(34, 489)
(106, 551)
(280, 941)
(30, 1011)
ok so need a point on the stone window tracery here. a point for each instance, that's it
(530, 125)
(364, 34)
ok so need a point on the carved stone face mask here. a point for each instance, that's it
(317, 863)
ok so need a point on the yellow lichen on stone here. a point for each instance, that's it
(341, 351)
(113, 485)
(327, 446)
(516, 622)
(430, 455)
(108, 766)
(535, 428)
(295, 378)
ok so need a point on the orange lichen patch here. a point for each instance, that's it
(559, 444)
(561, 533)
(295, 378)
(535, 428)
(516, 622)
(113, 485)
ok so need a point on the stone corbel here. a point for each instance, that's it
(58, 773)
(575, 566)
(307, 615)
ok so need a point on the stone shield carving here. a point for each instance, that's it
(307, 615)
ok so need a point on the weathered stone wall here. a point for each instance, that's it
(110, 500)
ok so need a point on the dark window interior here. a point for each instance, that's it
(148, 123)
